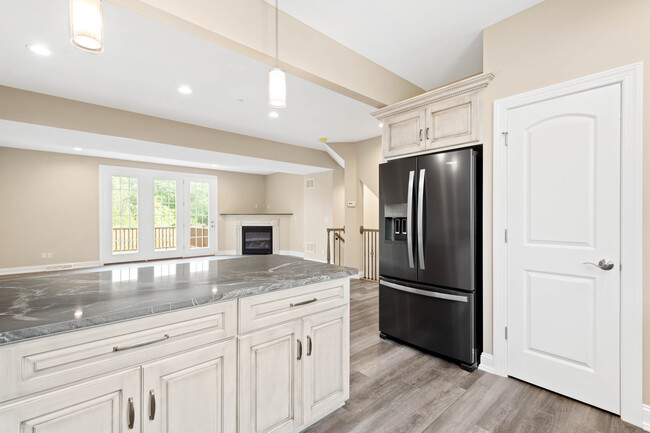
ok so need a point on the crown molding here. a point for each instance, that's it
(469, 85)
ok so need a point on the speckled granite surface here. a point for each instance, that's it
(50, 304)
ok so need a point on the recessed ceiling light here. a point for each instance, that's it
(381, 124)
(274, 115)
(240, 100)
(78, 149)
(184, 89)
(39, 49)
(215, 165)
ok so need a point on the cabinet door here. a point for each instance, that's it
(404, 133)
(269, 379)
(327, 362)
(452, 122)
(110, 404)
(194, 392)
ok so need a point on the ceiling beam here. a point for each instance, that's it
(248, 27)
(39, 109)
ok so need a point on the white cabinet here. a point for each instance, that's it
(194, 392)
(110, 404)
(404, 133)
(186, 371)
(269, 379)
(443, 117)
(294, 373)
(326, 362)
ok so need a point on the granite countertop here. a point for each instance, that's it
(54, 303)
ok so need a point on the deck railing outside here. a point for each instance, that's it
(125, 240)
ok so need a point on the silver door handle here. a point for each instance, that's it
(605, 265)
(409, 212)
(421, 219)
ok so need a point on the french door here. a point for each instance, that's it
(150, 214)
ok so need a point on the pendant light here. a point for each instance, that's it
(277, 77)
(87, 25)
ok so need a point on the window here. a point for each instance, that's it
(199, 214)
(154, 214)
(164, 214)
(125, 214)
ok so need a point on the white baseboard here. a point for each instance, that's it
(487, 363)
(227, 253)
(646, 417)
(357, 276)
(48, 268)
(292, 253)
(316, 260)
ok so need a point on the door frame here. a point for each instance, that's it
(631, 367)
(180, 176)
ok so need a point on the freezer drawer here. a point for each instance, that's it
(440, 321)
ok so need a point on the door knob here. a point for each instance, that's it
(605, 265)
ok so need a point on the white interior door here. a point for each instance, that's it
(563, 212)
(200, 213)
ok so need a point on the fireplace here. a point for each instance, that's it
(257, 239)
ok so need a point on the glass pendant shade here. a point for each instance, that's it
(277, 88)
(87, 25)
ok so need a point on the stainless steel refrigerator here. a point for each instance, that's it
(430, 253)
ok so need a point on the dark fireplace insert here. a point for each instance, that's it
(257, 240)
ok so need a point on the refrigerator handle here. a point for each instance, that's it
(409, 214)
(421, 218)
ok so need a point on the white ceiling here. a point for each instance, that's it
(427, 42)
(144, 62)
(48, 139)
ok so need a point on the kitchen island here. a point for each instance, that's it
(249, 344)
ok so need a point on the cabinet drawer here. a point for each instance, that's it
(260, 311)
(58, 360)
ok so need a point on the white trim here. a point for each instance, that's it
(49, 268)
(487, 363)
(357, 276)
(335, 156)
(226, 253)
(291, 253)
(646, 417)
(631, 79)
(316, 260)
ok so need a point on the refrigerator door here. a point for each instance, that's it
(397, 257)
(446, 219)
(438, 320)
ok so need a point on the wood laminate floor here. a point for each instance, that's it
(395, 388)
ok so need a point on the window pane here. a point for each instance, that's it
(164, 215)
(199, 214)
(124, 206)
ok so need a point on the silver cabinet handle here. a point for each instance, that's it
(297, 304)
(605, 265)
(427, 134)
(299, 357)
(130, 414)
(420, 135)
(308, 345)
(152, 405)
(409, 214)
(426, 293)
(421, 219)
(146, 343)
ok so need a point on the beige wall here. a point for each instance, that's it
(36, 108)
(370, 208)
(51, 204)
(318, 213)
(362, 161)
(284, 193)
(556, 41)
